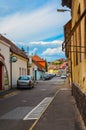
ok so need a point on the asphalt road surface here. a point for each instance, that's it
(21, 108)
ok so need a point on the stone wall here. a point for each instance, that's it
(80, 100)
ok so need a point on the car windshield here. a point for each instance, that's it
(24, 78)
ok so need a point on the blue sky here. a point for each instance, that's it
(35, 24)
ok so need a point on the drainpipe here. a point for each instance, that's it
(11, 70)
(71, 69)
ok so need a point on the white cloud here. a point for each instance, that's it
(54, 51)
(55, 42)
(36, 25)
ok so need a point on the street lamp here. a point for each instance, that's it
(63, 10)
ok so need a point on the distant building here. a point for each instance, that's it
(38, 65)
(57, 66)
(53, 69)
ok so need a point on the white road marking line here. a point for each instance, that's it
(37, 111)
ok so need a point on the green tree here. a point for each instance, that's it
(22, 48)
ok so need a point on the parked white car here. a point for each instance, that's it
(63, 76)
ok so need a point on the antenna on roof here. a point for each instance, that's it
(28, 50)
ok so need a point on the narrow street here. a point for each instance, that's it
(43, 43)
(16, 105)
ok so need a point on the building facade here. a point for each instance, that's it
(13, 63)
(75, 47)
(38, 65)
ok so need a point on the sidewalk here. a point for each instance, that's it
(4, 92)
(61, 114)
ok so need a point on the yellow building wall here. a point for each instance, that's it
(79, 69)
(53, 71)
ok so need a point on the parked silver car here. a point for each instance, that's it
(25, 81)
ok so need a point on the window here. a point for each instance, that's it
(19, 71)
(23, 71)
(76, 50)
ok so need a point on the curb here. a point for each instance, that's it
(34, 124)
(4, 92)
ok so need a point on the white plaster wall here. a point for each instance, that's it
(31, 72)
(39, 74)
(20, 63)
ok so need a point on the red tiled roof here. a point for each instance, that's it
(37, 58)
(40, 67)
(13, 48)
(54, 67)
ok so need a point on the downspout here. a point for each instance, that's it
(11, 70)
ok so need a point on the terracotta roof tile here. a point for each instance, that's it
(36, 58)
